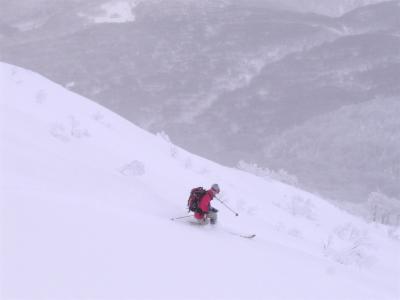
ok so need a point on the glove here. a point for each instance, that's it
(214, 210)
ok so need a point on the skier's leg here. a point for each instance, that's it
(213, 217)
(203, 220)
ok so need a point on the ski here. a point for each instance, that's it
(248, 236)
(195, 223)
(243, 235)
(179, 218)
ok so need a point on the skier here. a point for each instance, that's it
(207, 212)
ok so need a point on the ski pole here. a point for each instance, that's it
(236, 214)
(172, 219)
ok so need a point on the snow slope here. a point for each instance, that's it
(87, 199)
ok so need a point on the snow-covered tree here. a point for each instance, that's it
(383, 209)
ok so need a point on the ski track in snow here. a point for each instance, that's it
(87, 199)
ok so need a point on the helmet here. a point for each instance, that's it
(215, 188)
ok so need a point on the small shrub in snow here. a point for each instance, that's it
(79, 133)
(383, 209)
(134, 168)
(348, 245)
(254, 169)
(58, 131)
(76, 130)
(394, 233)
(64, 132)
(188, 163)
(99, 117)
(173, 150)
(301, 207)
(14, 71)
(298, 206)
(285, 177)
(203, 171)
(295, 233)
(266, 173)
(69, 85)
(41, 96)
(164, 136)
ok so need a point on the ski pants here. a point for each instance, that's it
(212, 216)
(209, 218)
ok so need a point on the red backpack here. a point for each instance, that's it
(195, 195)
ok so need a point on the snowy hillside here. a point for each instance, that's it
(87, 199)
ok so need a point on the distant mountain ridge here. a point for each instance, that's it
(328, 7)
